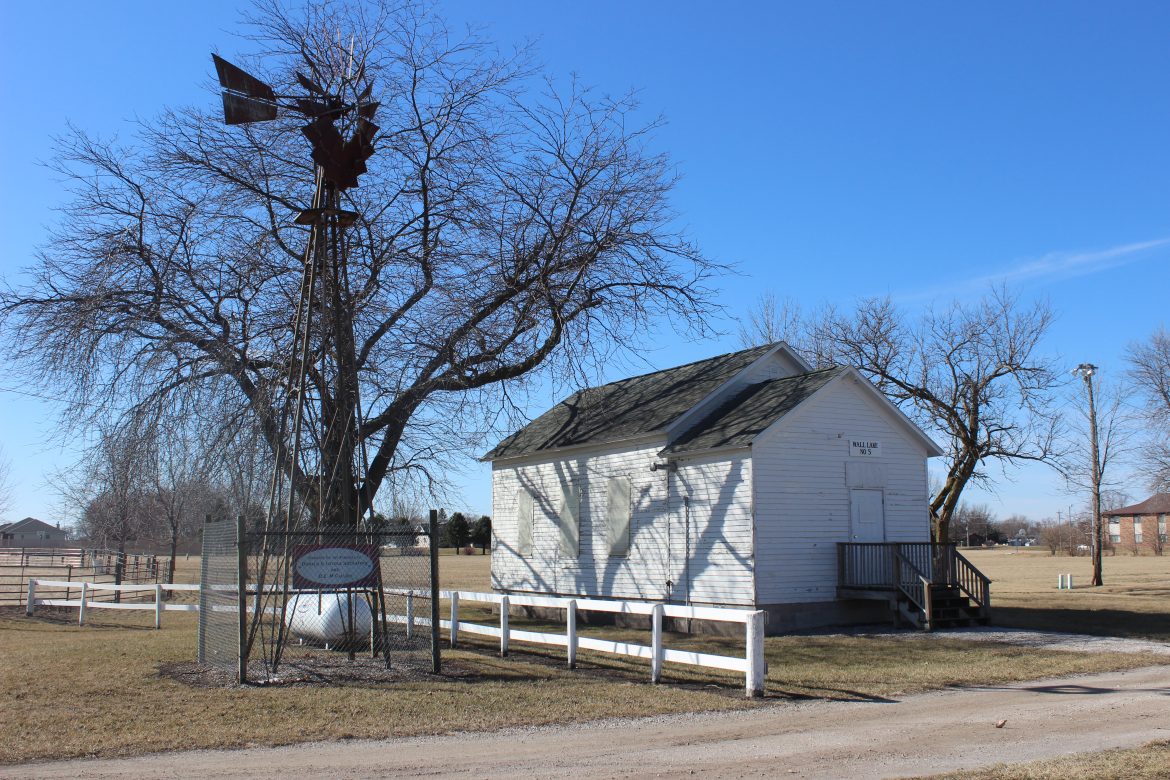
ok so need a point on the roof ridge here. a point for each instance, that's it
(763, 347)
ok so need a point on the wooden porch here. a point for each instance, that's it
(926, 585)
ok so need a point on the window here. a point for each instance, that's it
(568, 522)
(1137, 530)
(618, 515)
(1115, 538)
(523, 523)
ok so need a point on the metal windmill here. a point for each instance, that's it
(314, 493)
(322, 367)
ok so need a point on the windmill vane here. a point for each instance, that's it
(342, 160)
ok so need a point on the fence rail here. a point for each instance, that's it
(753, 665)
(84, 602)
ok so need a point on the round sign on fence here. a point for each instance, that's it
(318, 566)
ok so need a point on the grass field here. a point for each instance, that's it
(1149, 762)
(98, 690)
(1133, 602)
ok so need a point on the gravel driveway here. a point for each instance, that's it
(933, 732)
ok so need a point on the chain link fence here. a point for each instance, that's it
(219, 597)
(327, 603)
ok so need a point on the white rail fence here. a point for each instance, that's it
(752, 665)
(84, 604)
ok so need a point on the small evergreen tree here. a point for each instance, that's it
(457, 532)
(481, 533)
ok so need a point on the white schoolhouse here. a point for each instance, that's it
(728, 481)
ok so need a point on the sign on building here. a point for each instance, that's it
(865, 448)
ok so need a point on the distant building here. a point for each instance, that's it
(31, 532)
(1140, 527)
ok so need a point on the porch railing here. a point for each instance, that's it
(908, 566)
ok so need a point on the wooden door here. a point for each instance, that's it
(867, 516)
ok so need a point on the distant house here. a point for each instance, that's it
(728, 481)
(1140, 527)
(31, 532)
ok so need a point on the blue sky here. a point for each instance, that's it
(830, 150)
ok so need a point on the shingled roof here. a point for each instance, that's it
(1157, 504)
(746, 414)
(628, 408)
(29, 525)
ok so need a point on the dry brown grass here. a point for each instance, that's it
(1133, 602)
(97, 691)
(1149, 762)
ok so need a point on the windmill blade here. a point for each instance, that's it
(241, 109)
(238, 80)
(365, 92)
(309, 84)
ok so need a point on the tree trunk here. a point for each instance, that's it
(174, 554)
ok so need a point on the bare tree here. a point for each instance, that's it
(972, 373)
(769, 321)
(112, 490)
(504, 228)
(1150, 372)
(5, 483)
(181, 489)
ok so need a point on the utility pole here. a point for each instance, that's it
(1085, 371)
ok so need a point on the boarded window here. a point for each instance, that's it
(568, 522)
(523, 522)
(618, 516)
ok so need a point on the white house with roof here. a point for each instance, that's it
(728, 481)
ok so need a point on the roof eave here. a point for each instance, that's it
(644, 438)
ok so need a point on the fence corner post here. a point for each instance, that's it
(757, 668)
(656, 643)
(158, 605)
(242, 596)
(81, 608)
(504, 625)
(571, 632)
(31, 602)
(454, 618)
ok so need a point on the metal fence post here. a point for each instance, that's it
(656, 643)
(410, 614)
(242, 595)
(571, 632)
(454, 618)
(203, 608)
(436, 651)
(503, 625)
(757, 667)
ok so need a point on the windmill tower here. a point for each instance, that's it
(315, 507)
(316, 480)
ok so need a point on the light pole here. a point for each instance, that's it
(1085, 371)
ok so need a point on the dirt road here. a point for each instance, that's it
(934, 732)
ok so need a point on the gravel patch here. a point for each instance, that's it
(1052, 640)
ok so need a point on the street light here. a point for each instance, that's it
(1085, 371)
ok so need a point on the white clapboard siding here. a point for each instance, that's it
(716, 533)
(641, 574)
(802, 496)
